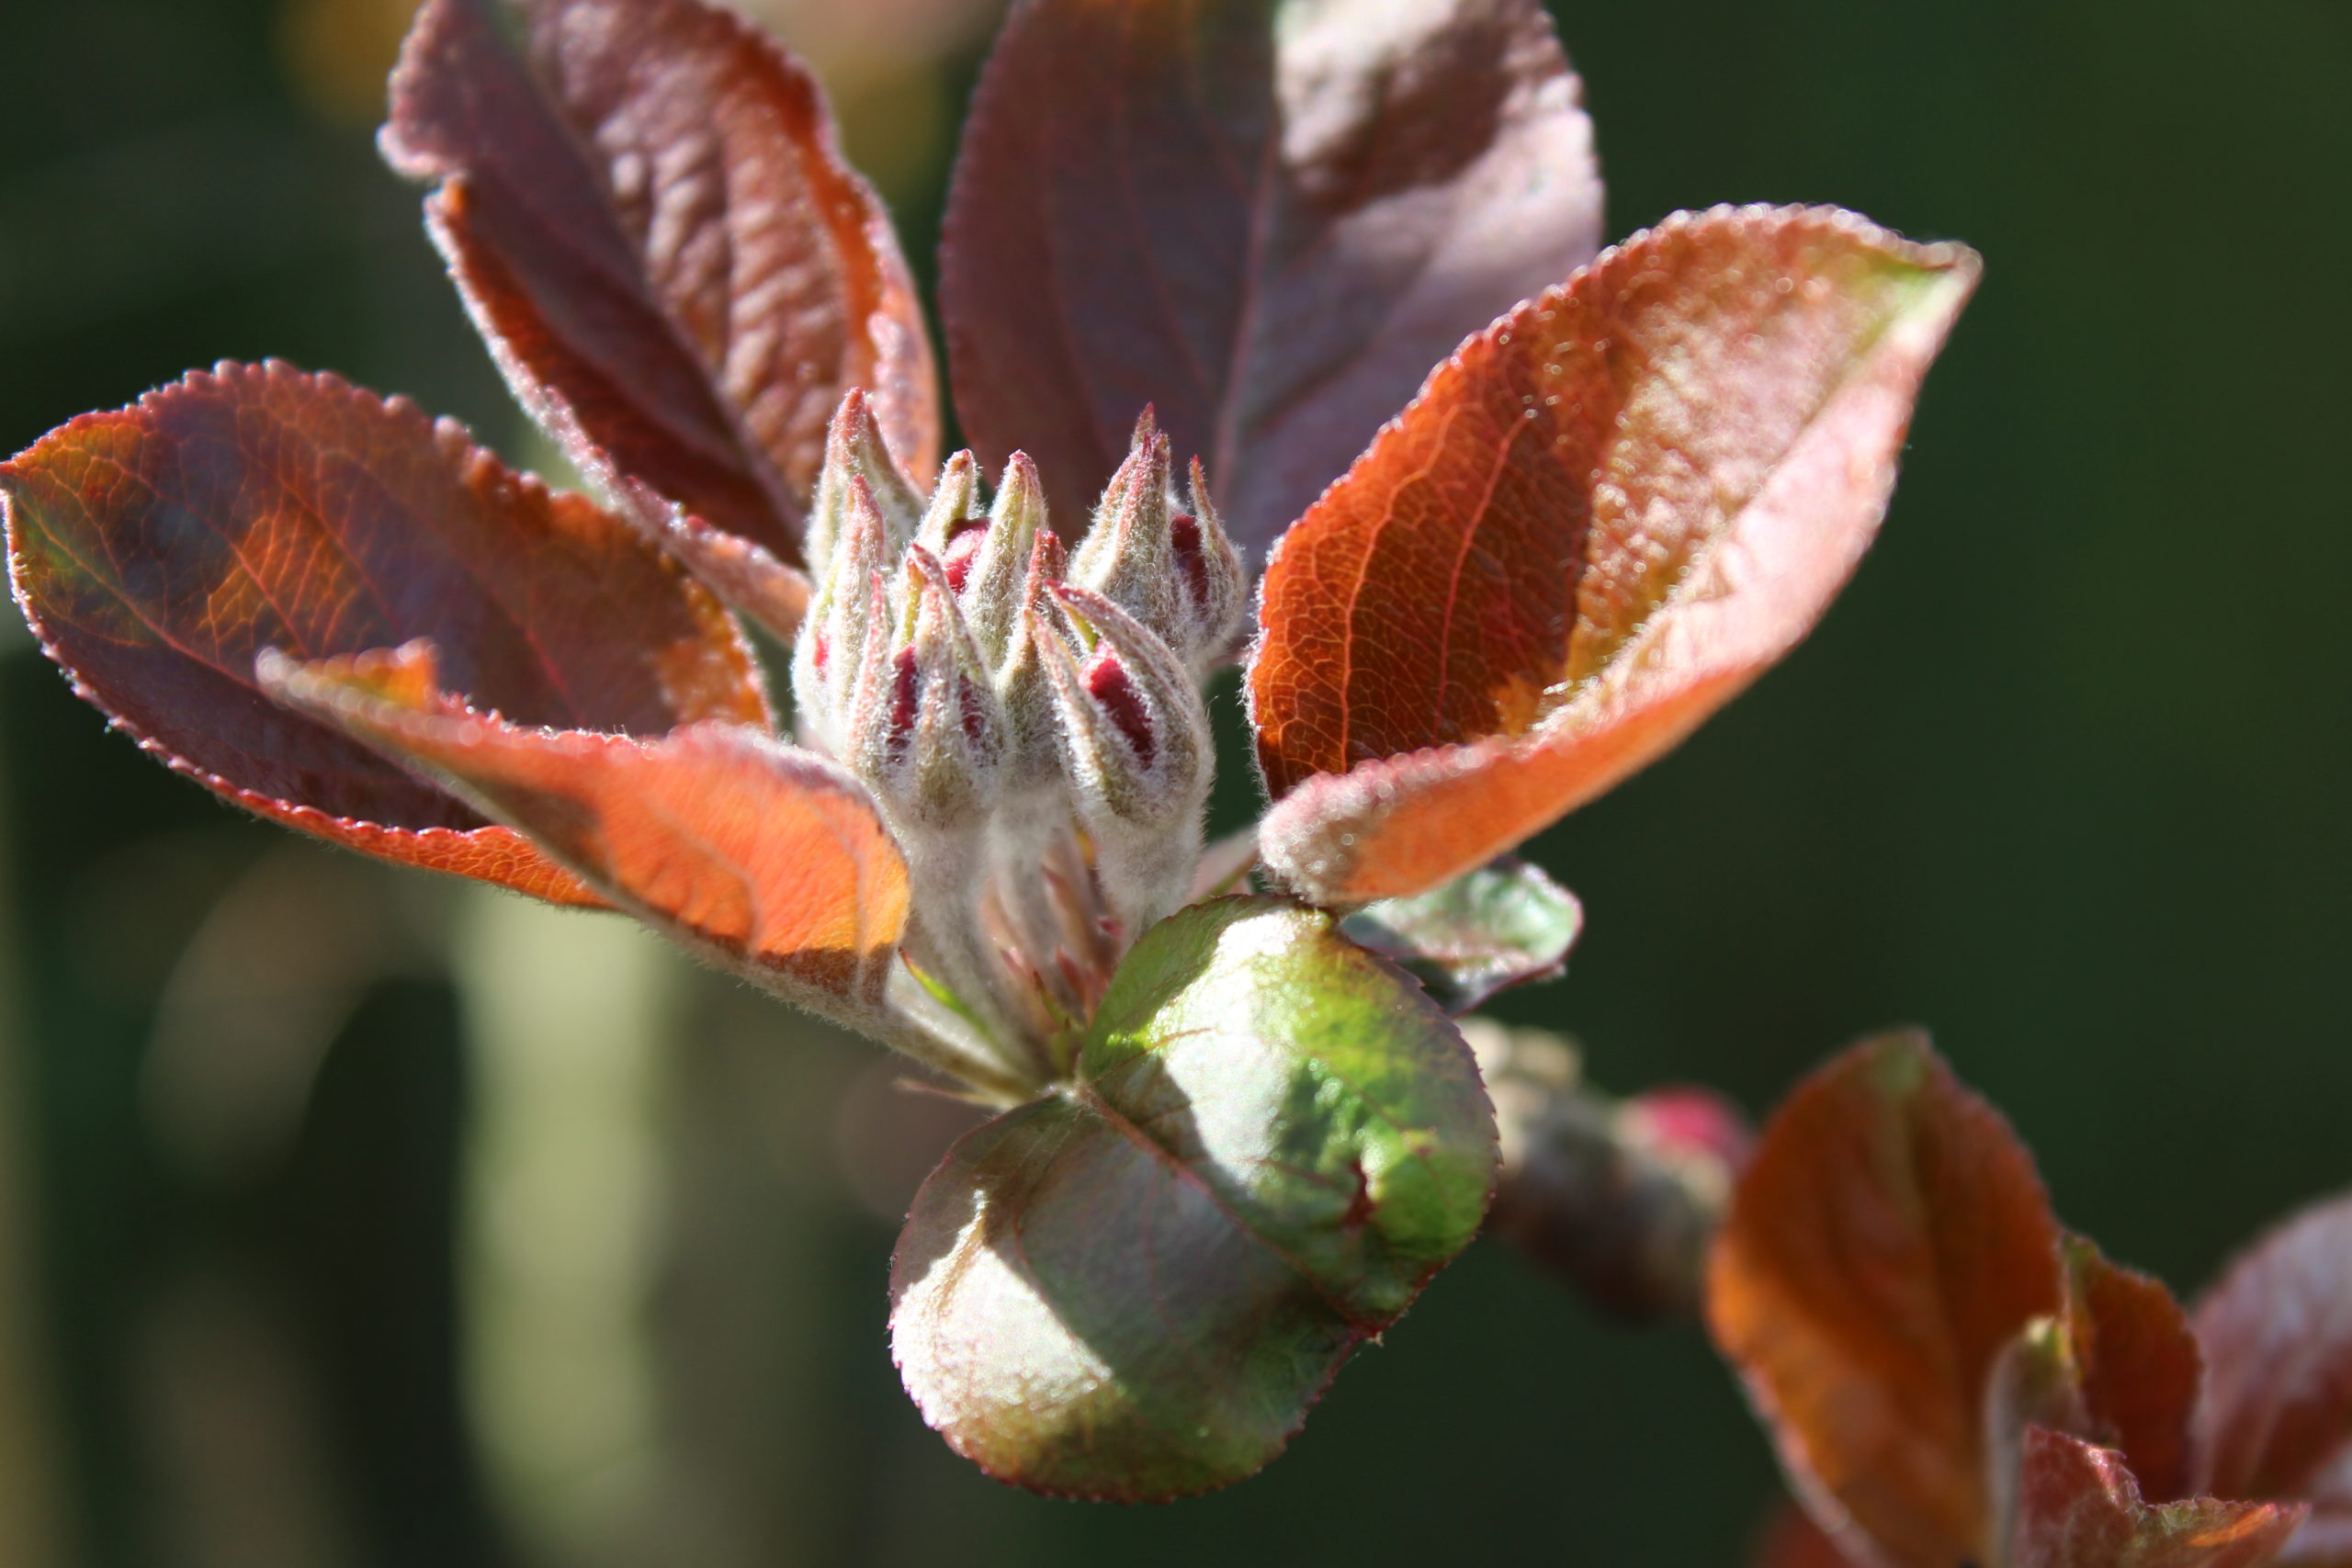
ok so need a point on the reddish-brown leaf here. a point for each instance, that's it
(1601, 519)
(2080, 1507)
(2139, 1368)
(1269, 222)
(158, 549)
(1793, 1541)
(1888, 1241)
(2278, 1337)
(762, 857)
(645, 207)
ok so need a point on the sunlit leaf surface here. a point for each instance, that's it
(768, 858)
(1601, 519)
(158, 549)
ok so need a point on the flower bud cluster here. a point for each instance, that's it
(1028, 718)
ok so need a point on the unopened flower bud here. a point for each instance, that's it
(928, 737)
(1212, 589)
(997, 591)
(855, 450)
(832, 649)
(1135, 742)
(1128, 554)
(953, 525)
(1032, 714)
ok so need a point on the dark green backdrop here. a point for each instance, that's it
(2063, 775)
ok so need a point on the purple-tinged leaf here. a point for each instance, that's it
(645, 207)
(157, 550)
(1268, 219)
(1137, 1288)
(2278, 1337)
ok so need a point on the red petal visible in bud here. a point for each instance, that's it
(905, 692)
(1107, 683)
(963, 549)
(1184, 536)
(822, 653)
(1047, 562)
(976, 718)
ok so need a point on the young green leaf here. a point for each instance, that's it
(158, 549)
(1136, 1289)
(2278, 1337)
(2079, 1506)
(1888, 1242)
(1267, 217)
(766, 859)
(1495, 928)
(645, 207)
(1700, 429)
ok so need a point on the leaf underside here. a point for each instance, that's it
(1500, 926)
(158, 549)
(1266, 220)
(1700, 429)
(1136, 1289)
(645, 208)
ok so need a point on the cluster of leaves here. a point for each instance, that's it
(1951, 1378)
(1631, 480)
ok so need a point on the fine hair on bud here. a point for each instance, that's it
(855, 449)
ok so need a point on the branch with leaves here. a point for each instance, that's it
(1286, 333)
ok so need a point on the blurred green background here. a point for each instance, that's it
(348, 1218)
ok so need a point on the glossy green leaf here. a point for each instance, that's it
(1499, 926)
(1137, 1288)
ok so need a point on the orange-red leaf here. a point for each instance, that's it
(645, 207)
(764, 858)
(1269, 222)
(2079, 1506)
(1601, 519)
(1793, 1541)
(157, 550)
(1886, 1244)
(2278, 1337)
(2139, 1368)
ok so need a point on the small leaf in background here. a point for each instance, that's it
(1888, 1242)
(2080, 1507)
(2138, 1366)
(1266, 218)
(1495, 928)
(158, 549)
(1137, 1288)
(2278, 1335)
(646, 210)
(766, 859)
(1701, 429)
